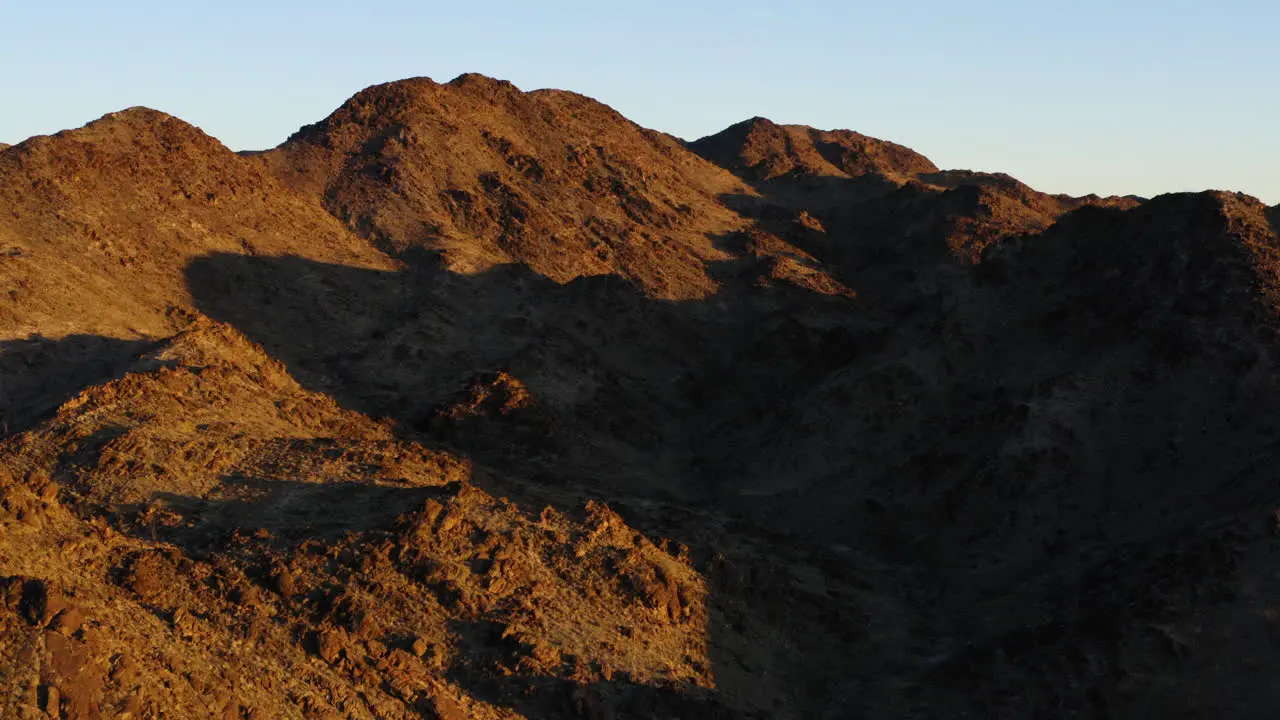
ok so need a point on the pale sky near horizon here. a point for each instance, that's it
(1108, 97)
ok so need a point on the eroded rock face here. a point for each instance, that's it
(470, 402)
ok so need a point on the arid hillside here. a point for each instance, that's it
(467, 402)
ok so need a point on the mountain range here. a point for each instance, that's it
(469, 402)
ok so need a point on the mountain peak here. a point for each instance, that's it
(759, 149)
(488, 174)
(477, 81)
(135, 129)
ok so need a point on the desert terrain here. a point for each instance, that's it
(470, 402)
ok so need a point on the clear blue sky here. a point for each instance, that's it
(1087, 96)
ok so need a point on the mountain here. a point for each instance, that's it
(854, 181)
(133, 196)
(100, 224)
(763, 150)
(473, 402)
(486, 175)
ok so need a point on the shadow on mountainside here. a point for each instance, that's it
(1044, 449)
(289, 512)
(38, 374)
(568, 393)
(591, 381)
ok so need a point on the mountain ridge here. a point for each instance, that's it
(470, 402)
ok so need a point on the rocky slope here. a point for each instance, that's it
(485, 175)
(470, 402)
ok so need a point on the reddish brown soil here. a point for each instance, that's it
(469, 402)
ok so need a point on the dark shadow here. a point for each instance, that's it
(628, 397)
(1002, 438)
(38, 374)
(598, 357)
(893, 243)
(287, 513)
